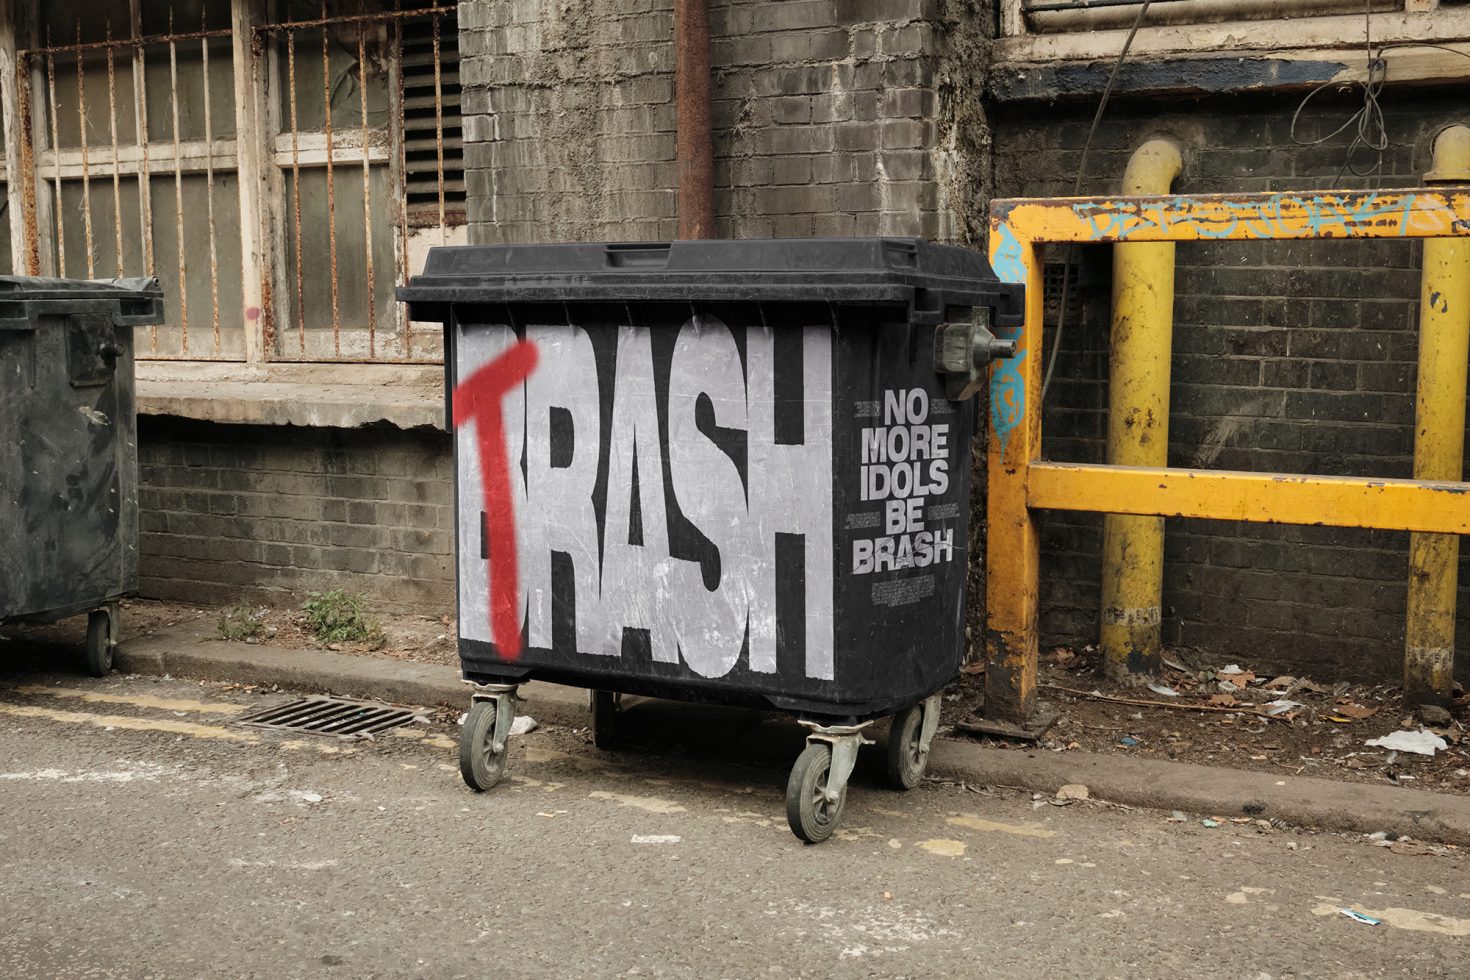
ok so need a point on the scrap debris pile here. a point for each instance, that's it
(1231, 715)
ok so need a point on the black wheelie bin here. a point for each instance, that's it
(724, 471)
(69, 450)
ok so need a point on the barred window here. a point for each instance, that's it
(353, 136)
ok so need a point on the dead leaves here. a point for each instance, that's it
(1347, 711)
(1240, 679)
(1063, 657)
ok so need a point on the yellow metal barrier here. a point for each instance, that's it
(1019, 481)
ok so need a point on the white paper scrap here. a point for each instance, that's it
(1422, 742)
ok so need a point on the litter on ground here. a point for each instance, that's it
(1422, 742)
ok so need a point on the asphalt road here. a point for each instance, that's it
(144, 834)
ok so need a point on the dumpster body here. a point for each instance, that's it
(718, 471)
(68, 450)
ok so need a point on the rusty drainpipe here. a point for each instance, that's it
(694, 141)
(1439, 440)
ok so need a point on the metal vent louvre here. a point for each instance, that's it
(1051, 277)
(421, 126)
(331, 716)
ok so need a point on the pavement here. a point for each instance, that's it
(1208, 791)
(146, 834)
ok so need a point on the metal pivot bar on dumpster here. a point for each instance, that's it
(1021, 482)
(68, 450)
(722, 471)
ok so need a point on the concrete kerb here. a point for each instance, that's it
(1209, 791)
(325, 671)
(1324, 804)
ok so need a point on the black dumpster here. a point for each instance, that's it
(68, 450)
(725, 471)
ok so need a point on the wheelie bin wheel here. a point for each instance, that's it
(605, 707)
(907, 758)
(479, 763)
(811, 815)
(99, 643)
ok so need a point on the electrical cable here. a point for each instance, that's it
(1370, 130)
(1051, 362)
(1371, 133)
(1423, 44)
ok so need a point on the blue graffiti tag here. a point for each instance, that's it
(1279, 216)
(1006, 259)
(1007, 385)
(1007, 393)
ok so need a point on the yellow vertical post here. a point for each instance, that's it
(1138, 426)
(1012, 543)
(1439, 439)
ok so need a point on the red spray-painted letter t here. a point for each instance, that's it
(477, 399)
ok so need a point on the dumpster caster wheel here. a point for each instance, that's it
(812, 815)
(605, 708)
(99, 643)
(909, 736)
(906, 760)
(480, 763)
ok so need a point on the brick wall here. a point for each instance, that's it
(1291, 357)
(859, 117)
(272, 513)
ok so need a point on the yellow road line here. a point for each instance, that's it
(301, 745)
(132, 724)
(650, 803)
(974, 822)
(426, 738)
(137, 700)
(1411, 919)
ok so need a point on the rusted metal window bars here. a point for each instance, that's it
(385, 127)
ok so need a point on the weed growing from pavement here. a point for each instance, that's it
(340, 616)
(241, 623)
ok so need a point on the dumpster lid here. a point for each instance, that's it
(24, 300)
(42, 287)
(920, 275)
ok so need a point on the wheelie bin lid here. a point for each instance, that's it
(923, 277)
(135, 301)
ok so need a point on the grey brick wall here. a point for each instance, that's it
(568, 119)
(858, 117)
(273, 513)
(1290, 357)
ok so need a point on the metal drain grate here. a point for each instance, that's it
(331, 716)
